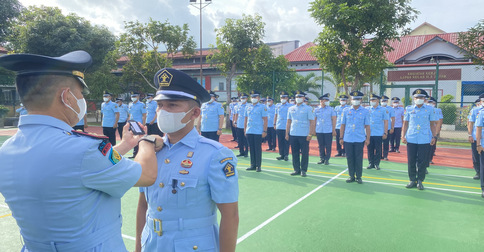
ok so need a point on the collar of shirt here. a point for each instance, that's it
(45, 120)
(189, 140)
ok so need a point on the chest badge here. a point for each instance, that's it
(184, 172)
(190, 154)
(186, 163)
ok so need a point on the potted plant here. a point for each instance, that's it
(3, 112)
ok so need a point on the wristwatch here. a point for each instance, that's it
(148, 138)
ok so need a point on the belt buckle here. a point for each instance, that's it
(159, 232)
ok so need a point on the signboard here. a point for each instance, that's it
(424, 75)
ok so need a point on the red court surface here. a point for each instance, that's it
(454, 157)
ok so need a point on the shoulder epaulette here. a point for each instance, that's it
(80, 133)
(211, 142)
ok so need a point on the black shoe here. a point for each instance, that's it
(391, 151)
(286, 158)
(370, 167)
(412, 184)
(251, 169)
(386, 159)
(377, 167)
(326, 162)
(240, 155)
(268, 149)
(303, 174)
(419, 185)
(359, 181)
(321, 161)
(338, 155)
(344, 154)
(280, 158)
(236, 147)
(295, 173)
(258, 169)
(477, 176)
(431, 162)
(350, 180)
(397, 151)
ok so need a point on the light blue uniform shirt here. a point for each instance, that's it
(254, 115)
(378, 116)
(399, 112)
(22, 111)
(355, 121)
(439, 113)
(324, 123)
(241, 115)
(281, 112)
(123, 113)
(391, 113)
(151, 111)
(62, 186)
(232, 107)
(189, 216)
(271, 114)
(136, 110)
(300, 117)
(419, 119)
(109, 110)
(339, 114)
(479, 123)
(211, 111)
(472, 118)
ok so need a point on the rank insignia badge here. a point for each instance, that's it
(226, 159)
(190, 154)
(184, 172)
(186, 163)
(104, 147)
(229, 170)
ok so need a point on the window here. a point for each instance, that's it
(221, 86)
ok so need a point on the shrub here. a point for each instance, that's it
(3, 110)
(449, 112)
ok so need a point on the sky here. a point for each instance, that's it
(285, 20)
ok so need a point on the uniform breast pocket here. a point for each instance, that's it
(198, 243)
(186, 188)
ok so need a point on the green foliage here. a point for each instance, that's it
(449, 111)
(447, 98)
(237, 42)
(343, 47)
(3, 110)
(472, 43)
(141, 45)
(9, 10)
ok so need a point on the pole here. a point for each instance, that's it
(322, 83)
(273, 84)
(436, 88)
(201, 65)
(382, 89)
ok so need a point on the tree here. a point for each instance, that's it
(9, 10)
(266, 73)
(307, 82)
(472, 43)
(356, 35)
(236, 41)
(141, 44)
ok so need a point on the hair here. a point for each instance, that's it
(37, 91)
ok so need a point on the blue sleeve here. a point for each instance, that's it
(310, 113)
(392, 112)
(406, 116)
(434, 115)
(479, 120)
(289, 114)
(343, 117)
(367, 118)
(264, 111)
(223, 177)
(333, 112)
(220, 110)
(387, 115)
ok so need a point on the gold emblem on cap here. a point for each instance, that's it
(78, 74)
(164, 78)
(418, 91)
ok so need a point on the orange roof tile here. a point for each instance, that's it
(301, 54)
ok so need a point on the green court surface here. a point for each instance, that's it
(324, 213)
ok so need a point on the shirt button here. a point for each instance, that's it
(182, 183)
(167, 161)
(195, 247)
(162, 185)
(159, 209)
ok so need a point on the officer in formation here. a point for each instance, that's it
(239, 121)
(21, 111)
(325, 128)
(137, 112)
(300, 122)
(86, 216)
(419, 133)
(343, 101)
(280, 125)
(397, 130)
(379, 117)
(479, 127)
(292, 101)
(82, 124)
(232, 107)
(271, 123)
(355, 134)
(212, 118)
(151, 118)
(110, 118)
(255, 128)
(196, 175)
(123, 115)
(471, 129)
(433, 103)
(391, 126)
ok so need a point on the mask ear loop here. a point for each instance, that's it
(62, 99)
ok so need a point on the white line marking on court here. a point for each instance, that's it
(129, 237)
(251, 232)
(4, 206)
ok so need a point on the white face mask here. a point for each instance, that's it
(419, 101)
(342, 102)
(105, 99)
(211, 100)
(254, 100)
(395, 105)
(384, 103)
(372, 103)
(243, 100)
(81, 103)
(269, 103)
(134, 99)
(283, 101)
(170, 122)
(292, 102)
(431, 104)
(149, 100)
(355, 102)
(326, 103)
(299, 100)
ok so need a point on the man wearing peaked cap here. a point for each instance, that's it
(379, 131)
(255, 128)
(137, 112)
(212, 118)
(433, 103)
(325, 128)
(280, 119)
(239, 122)
(110, 117)
(271, 132)
(232, 107)
(355, 134)
(196, 175)
(479, 124)
(123, 115)
(343, 101)
(397, 132)
(87, 216)
(418, 121)
(471, 129)
(391, 126)
(151, 122)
